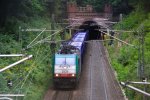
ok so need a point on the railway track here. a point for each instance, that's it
(108, 74)
(101, 54)
(63, 95)
(97, 80)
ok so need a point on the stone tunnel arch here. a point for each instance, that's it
(92, 27)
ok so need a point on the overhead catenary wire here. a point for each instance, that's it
(16, 84)
(119, 40)
(48, 41)
(36, 30)
(55, 41)
(29, 73)
(36, 37)
(42, 41)
(23, 81)
(130, 31)
(48, 30)
(37, 60)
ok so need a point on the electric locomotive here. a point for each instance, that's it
(67, 62)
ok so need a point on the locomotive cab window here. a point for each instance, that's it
(60, 61)
(64, 61)
(70, 61)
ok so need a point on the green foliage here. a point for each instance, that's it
(125, 58)
(119, 6)
(97, 4)
(115, 2)
(122, 71)
(19, 9)
(132, 21)
(34, 94)
(33, 76)
(5, 48)
(37, 5)
(3, 84)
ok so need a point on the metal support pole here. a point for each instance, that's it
(5, 98)
(12, 95)
(120, 34)
(20, 37)
(70, 32)
(141, 61)
(12, 55)
(141, 54)
(136, 89)
(16, 63)
(52, 45)
(141, 83)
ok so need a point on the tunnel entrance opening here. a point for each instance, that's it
(92, 27)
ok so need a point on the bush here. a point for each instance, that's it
(125, 58)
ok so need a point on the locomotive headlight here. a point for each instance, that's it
(73, 75)
(56, 75)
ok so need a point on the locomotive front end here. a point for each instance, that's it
(65, 70)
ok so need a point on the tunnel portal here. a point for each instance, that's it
(92, 27)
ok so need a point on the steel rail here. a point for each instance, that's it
(103, 74)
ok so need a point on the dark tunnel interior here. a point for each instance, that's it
(92, 27)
